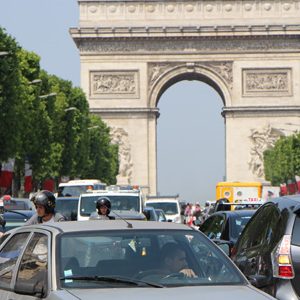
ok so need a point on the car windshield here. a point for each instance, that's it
(14, 204)
(67, 207)
(169, 208)
(239, 222)
(119, 202)
(67, 191)
(102, 259)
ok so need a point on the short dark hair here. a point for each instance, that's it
(170, 250)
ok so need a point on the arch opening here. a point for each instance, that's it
(190, 77)
(190, 140)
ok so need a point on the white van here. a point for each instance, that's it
(122, 200)
(76, 187)
(170, 207)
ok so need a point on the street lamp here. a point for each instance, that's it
(35, 81)
(71, 108)
(47, 96)
(93, 127)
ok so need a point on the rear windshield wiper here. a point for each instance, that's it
(113, 279)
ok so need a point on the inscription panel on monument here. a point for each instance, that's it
(114, 84)
(275, 82)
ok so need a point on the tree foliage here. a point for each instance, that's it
(46, 121)
(282, 162)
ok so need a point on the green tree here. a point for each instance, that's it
(283, 161)
(9, 95)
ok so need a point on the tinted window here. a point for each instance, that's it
(261, 229)
(213, 226)
(238, 224)
(8, 257)
(296, 232)
(67, 208)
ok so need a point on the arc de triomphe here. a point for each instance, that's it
(131, 51)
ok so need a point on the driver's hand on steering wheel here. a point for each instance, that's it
(188, 273)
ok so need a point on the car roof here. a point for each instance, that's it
(67, 198)
(289, 201)
(91, 225)
(162, 201)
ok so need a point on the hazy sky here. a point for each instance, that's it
(191, 157)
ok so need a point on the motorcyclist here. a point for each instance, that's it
(44, 202)
(103, 207)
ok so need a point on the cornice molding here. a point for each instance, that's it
(188, 45)
(255, 111)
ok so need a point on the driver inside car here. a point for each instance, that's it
(174, 261)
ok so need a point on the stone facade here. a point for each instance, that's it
(249, 51)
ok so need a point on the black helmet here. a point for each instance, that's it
(46, 199)
(103, 201)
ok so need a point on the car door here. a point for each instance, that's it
(254, 247)
(213, 227)
(33, 269)
(9, 254)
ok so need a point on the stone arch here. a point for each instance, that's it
(207, 72)
(248, 51)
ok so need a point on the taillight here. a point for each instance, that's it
(281, 259)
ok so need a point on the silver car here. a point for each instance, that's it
(116, 260)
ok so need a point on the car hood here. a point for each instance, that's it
(204, 292)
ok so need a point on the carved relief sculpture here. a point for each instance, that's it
(114, 83)
(262, 139)
(221, 68)
(120, 137)
(266, 82)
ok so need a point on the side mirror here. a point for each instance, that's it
(74, 216)
(224, 245)
(30, 288)
(259, 281)
(2, 221)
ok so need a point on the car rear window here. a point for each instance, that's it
(296, 232)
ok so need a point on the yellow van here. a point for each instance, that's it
(239, 192)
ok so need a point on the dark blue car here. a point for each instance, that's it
(14, 218)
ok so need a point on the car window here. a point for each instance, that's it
(296, 232)
(33, 265)
(169, 208)
(261, 229)
(67, 208)
(8, 257)
(213, 226)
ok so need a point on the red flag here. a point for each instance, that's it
(298, 183)
(7, 173)
(292, 187)
(28, 178)
(49, 185)
(283, 189)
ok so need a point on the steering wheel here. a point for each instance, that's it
(174, 275)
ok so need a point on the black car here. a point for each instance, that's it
(67, 206)
(268, 250)
(226, 225)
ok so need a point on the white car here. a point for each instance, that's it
(113, 260)
(170, 207)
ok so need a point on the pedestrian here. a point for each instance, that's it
(44, 202)
(103, 207)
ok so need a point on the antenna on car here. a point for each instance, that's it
(129, 225)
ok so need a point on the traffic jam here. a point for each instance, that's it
(92, 241)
